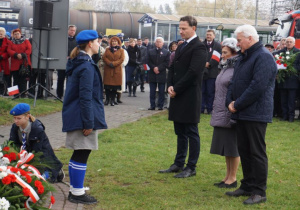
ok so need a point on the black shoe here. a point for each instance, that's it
(142, 91)
(112, 103)
(173, 169)
(160, 108)
(85, 199)
(238, 192)
(151, 108)
(254, 199)
(218, 183)
(116, 103)
(119, 101)
(60, 176)
(232, 185)
(187, 172)
(129, 95)
(106, 102)
(134, 95)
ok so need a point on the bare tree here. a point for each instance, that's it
(168, 9)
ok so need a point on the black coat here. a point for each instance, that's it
(158, 58)
(185, 75)
(252, 85)
(71, 44)
(143, 51)
(134, 55)
(213, 70)
(291, 82)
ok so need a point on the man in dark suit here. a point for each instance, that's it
(158, 61)
(143, 60)
(61, 73)
(184, 87)
(288, 88)
(211, 72)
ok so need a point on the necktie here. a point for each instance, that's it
(23, 140)
(183, 45)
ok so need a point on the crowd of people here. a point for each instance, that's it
(234, 81)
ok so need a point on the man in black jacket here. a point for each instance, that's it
(211, 72)
(143, 51)
(184, 88)
(158, 61)
(61, 73)
(288, 88)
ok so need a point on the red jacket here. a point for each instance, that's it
(4, 65)
(14, 49)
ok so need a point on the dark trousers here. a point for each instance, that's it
(288, 97)
(161, 94)
(61, 75)
(142, 78)
(187, 136)
(20, 81)
(7, 79)
(252, 150)
(208, 94)
(277, 103)
(34, 79)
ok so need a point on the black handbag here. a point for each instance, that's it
(25, 69)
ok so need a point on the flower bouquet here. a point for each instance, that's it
(285, 64)
(21, 184)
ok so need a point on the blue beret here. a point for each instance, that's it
(86, 36)
(20, 109)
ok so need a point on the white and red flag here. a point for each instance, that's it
(216, 56)
(13, 90)
(146, 67)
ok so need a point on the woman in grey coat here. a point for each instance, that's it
(224, 136)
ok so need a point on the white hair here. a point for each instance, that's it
(2, 29)
(162, 39)
(292, 38)
(231, 43)
(247, 30)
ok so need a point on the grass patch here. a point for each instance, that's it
(123, 173)
(43, 107)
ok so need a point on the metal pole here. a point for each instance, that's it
(235, 8)
(215, 8)
(256, 11)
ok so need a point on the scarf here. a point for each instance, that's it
(18, 41)
(114, 49)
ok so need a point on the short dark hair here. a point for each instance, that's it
(190, 19)
(211, 30)
(146, 38)
(139, 39)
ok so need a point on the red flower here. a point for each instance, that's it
(52, 199)
(280, 57)
(23, 173)
(15, 170)
(28, 178)
(12, 156)
(26, 192)
(12, 177)
(285, 65)
(278, 61)
(38, 183)
(40, 189)
(6, 180)
(5, 149)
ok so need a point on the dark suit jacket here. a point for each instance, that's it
(185, 75)
(213, 70)
(291, 82)
(143, 51)
(158, 58)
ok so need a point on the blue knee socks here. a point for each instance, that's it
(77, 174)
